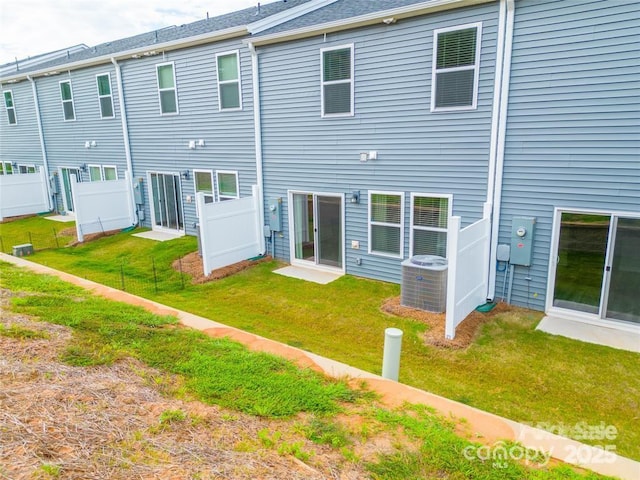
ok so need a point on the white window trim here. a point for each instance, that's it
(100, 97)
(213, 184)
(217, 187)
(62, 101)
(475, 67)
(351, 113)
(27, 166)
(4, 168)
(370, 194)
(413, 228)
(99, 167)
(228, 82)
(104, 177)
(175, 88)
(13, 101)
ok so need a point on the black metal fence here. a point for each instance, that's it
(39, 240)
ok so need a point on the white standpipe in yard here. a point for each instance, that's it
(391, 357)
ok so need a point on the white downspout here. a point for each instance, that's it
(257, 131)
(496, 163)
(125, 136)
(45, 160)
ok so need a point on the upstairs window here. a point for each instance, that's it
(337, 81)
(386, 223)
(429, 222)
(227, 185)
(11, 108)
(229, 91)
(66, 94)
(104, 95)
(456, 54)
(167, 89)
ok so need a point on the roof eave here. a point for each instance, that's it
(202, 39)
(373, 18)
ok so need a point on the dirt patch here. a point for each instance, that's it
(17, 217)
(466, 332)
(191, 264)
(71, 232)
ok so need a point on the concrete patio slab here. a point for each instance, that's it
(308, 274)
(627, 339)
(158, 236)
(61, 218)
(483, 427)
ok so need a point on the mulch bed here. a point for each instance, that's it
(191, 264)
(466, 332)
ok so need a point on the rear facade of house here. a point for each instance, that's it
(374, 136)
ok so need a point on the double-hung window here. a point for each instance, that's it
(456, 67)
(386, 223)
(167, 91)
(98, 173)
(66, 95)
(229, 88)
(10, 107)
(227, 185)
(429, 221)
(104, 95)
(337, 81)
(203, 180)
(95, 173)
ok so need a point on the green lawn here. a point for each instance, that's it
(511, 370)
(223, 372)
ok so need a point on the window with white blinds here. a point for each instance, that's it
(337, 81)
(386, 223)
(429, 221)
(456, 62)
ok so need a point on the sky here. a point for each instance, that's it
(32, 27)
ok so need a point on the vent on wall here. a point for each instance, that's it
(424, 283)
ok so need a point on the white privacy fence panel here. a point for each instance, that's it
(102, 206)
(468, 270)
(230, 231)
(24, 194)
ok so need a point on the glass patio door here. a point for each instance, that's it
(67, 197)
(317, 229)
(166, 201)
(598, 266)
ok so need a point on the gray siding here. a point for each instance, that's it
(65, 140)
(159, 142)
(418, 151)
(20, 143)
(573, 135)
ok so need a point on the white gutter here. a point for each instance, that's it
(140, 51)
(257, 132)
(373, 18)
(45, 160)
(125, 134)
(496, 163)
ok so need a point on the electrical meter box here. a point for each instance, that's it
(522, 240)
(275, 214)
(137, 191)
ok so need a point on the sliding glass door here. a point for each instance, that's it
(166, 201)
(317, 229)
(598, 266)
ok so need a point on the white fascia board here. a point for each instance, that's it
(127, 54)
(287, 15)
(373, 18)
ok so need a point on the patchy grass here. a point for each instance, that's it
(511, 369)
(16, 331)
(43, 234)
(425, 445)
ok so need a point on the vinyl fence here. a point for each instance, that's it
(24, 194)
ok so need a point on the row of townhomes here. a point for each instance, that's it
(368, 132)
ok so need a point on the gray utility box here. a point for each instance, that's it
(22, 250)
(424, 283)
